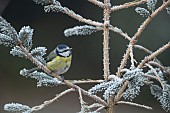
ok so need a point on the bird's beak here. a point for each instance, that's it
(70, 48)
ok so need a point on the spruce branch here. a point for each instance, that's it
(59, 8)
(159, 66)
(96, 2)
(154, 54)
(137, 34)
(8, 30)
(48, 102)
(44, 68)
(81, 30)
(135, 104)
(16, 107)
(156, 74)
(120, 32)
(143, 48)
(127, 5)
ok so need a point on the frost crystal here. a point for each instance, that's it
(54, 8)
(151, 4)
(110, 88)
(16, 107)
(43, 2)
(25, 35)
(42, 78)
(142, 11)
(7, 29)
(80, 30)
(38, 53)
(136, 80)
(16, 51)
(6, 40)
(156, 90)
(165, 100)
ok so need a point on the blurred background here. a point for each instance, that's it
(87, 52)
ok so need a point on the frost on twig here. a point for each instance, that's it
(110, 88)
(16, 51)
(142, 11)
(25, 36)
(81, 30)
(44, 2)
(38, 53)
(7, 29)
(151, 4)
(136, 80)
(42, 78)
(16, 107)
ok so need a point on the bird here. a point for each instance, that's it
(58, 61)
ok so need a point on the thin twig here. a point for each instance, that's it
(85, 81)
(154, 54)
(160, 66)
(156, 74)
(80, 98)
(143, 48)
(137, 34)
(135, 104)
(132, 58)
(98, 3)
(48, 102)
(100, 108)
(119, 31)
(127, 5)
(76, 16)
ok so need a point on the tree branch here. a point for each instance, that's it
(134, 104)
(44, 68)
(154, 54)
(48, 102)
(127, 5)
(96, 2)
(137, 34)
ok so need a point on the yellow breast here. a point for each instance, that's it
(59, 65)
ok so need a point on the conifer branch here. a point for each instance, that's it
(127, 5)
(57, 7)
(48, 102)
(96, 2)
(135, 104)
(44, 68)
(154, 54)
(137, 34)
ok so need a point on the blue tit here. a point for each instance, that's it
(59, 60)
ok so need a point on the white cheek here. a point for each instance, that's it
(67, 53)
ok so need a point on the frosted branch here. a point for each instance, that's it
(48, 102)
(137, 34)
(127, 5)
(81, 30)
(135, 104)
(154, 54)
(16, 107)
(96, 2)
(58, 8)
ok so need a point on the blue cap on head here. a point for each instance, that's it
(63, 50)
